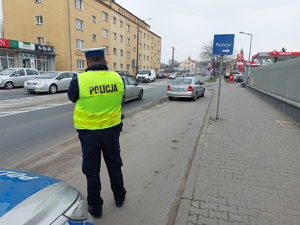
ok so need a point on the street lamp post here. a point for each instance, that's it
(248, 68)
(137, 46)
(250, 44)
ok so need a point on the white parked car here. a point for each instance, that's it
(15, 77)
(51, 82)
(146, 76)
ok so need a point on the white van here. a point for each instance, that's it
(146, 76)
(15, 77)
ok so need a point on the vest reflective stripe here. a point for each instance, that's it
(97, 123)
(95, 117)
(99, 104)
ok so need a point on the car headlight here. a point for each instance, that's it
(41, 83)
(78, 211)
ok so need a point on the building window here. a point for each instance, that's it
(128, 41)
(79, 24)
(140, 57)
(80, 64)
(115, 51)
(114, 20)
(121, 23)
(128, 55)
(7, 60)
(40, 40)
(134, 36)
(93, 19)
(152, 39)
(79, 44)
(78, 4)
(121, 66)
(105, 33)
(128, 66)
(128, 28)
(115, 66)
(39, 20)
(121, 38)
(121, 52)
(94, 37)
(106, 51)
(139, 45)
(104, 16)
(114, 36)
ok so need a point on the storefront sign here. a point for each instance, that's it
(4, 42)
(26, 56)
(44, 48)
(26, 45)
(13, 44)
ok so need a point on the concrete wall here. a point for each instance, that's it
(282, 78)
(278, 84)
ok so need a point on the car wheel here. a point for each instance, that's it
(140, 96)
(195, 96)
(53, 89)
(123, 100)
(9, 85)
(171, 98)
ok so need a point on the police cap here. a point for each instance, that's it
(94, 51)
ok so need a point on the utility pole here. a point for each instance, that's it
(173, 59)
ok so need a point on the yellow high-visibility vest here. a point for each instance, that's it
(99, 104)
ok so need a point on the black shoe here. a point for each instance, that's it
(95, 214)
(119, 203)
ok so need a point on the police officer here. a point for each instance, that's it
(97, 116)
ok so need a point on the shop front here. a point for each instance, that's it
(26, 55)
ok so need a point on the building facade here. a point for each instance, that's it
(189, 66)
(71, 25)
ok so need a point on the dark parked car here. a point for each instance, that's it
(160, 75)
(239, 78)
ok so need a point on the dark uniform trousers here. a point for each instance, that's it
(92, 143)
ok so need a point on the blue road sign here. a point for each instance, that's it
(223, 44)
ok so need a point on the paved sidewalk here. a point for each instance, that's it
(246, 169)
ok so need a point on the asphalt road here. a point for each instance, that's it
(31, 123)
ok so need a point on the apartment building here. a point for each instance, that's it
(70, 25)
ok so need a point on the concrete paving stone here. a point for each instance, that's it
(218, 214)
(193, 219)
(197, 211)
(239, 218)
(209, 205)
(225, 208)
(215, 199)
(259, 221)
(196, 204)
(207, 221)
(222, 222)
(251, 160)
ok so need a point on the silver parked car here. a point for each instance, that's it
(29, 198)
(186, 87)
(132, 90)
(15, 77)
(51, 82)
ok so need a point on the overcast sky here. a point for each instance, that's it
(188, 24)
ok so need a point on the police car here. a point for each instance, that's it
(28, 198)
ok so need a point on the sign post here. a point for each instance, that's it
(223, 45)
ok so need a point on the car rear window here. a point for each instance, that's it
(182, 81)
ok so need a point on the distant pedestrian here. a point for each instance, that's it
(97, 117)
